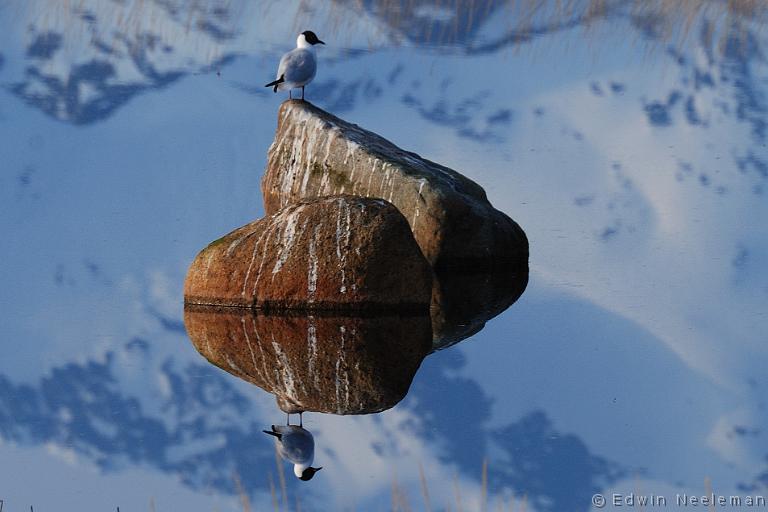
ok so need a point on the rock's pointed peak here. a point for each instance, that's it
(305, 112)
(317, 154)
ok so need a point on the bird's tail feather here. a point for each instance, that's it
(273, 433)
(276, 83)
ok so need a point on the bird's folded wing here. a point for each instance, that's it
(298, 448)
(297, 66)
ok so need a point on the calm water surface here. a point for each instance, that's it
(628, 141)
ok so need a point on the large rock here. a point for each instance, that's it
(334, 253)
(331, 364)
(316, 154)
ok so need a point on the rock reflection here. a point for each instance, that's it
(330, 364)
(462, 302)
(339, 364)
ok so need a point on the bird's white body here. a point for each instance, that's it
(298, 66)
(298, 469)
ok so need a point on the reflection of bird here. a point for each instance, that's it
(296, 445)
(297, 67)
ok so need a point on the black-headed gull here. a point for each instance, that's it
(297, 67)
(296, 444)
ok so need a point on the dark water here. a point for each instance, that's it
(629, 141)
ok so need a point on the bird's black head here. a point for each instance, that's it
(309, 473)
(311, 37)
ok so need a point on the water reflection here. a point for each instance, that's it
(463, 302)
(331, 364)
(342, 364)
(83, 62)
(296, 445)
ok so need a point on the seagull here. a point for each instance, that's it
(296, 445)
(297, 67)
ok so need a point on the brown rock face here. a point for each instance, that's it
(331, 364)
(334, 253)
(316, 154)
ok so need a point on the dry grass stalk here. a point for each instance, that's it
(484, 487)
(424, 490)
(457, 490)
(399, 498)
(244, 499)
(281, 476)
(273, 492)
